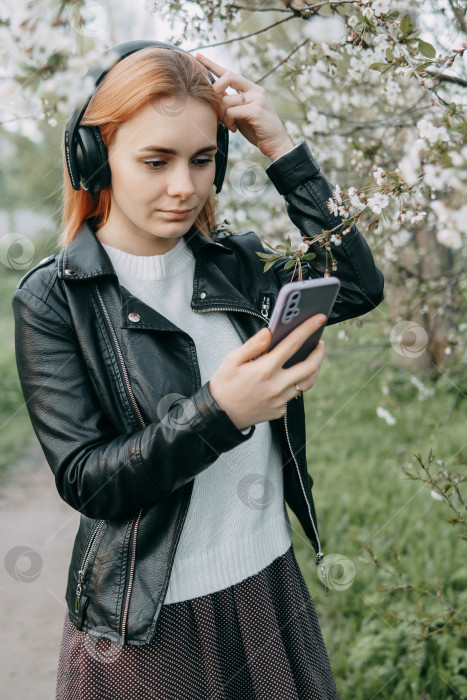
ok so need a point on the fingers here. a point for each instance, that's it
(289, 345)
(255, 345)
(209, 63)
(305, 373)
(226, 77)
(230, 101)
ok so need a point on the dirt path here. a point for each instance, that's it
(32, 586)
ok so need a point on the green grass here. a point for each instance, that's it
(362, 494)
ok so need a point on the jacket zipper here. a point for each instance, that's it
(79, 587)
(231, 308)
(319, 555)
(130, 582)
(125, 373)
(138, 517)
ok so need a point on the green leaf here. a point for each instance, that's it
(389, 54)
(425, 64)
(378, 66)
(268, 256)
(426, 49)
(268, 245)
(406, 25)
(309, 256)
(289, 264)
(268, 265)
(393, 15)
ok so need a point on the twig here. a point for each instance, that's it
(259, 9)
(408, 584)
(246, 36)
(440, 491)
(263, 77)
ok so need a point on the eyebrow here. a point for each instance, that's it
(161, 149)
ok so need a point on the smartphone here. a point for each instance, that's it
(296, 302)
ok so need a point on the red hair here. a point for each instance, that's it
(131, 84)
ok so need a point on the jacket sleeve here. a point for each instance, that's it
(297, 177)
(99, 472)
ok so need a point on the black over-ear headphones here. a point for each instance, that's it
(86, 153)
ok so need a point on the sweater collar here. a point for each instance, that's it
(151, 267)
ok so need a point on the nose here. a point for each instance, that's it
(180, 182)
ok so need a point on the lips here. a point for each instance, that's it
(177, 211)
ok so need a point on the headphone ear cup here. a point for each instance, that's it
(92, 158)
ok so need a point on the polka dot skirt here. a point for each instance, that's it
(258, 639)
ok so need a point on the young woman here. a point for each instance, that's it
(142, 354)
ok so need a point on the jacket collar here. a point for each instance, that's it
(85, 257)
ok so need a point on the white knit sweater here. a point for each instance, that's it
(237, 522)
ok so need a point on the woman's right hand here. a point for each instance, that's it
(251, 392)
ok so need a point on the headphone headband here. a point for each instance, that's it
(85, 152)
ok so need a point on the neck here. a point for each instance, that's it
(153, 245)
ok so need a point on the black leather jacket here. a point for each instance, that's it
(94, 362)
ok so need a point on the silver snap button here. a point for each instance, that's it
(133, 317)
(202, 295)
(70, 272)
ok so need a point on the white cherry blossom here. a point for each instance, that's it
(384, 413)
(336, 194)
(380, 7)
(380, 176)
(378, 202)
(332, 206)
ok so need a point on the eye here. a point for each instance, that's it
(200, 163)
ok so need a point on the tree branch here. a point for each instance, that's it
(443, 78)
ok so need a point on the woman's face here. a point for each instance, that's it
(147, 182)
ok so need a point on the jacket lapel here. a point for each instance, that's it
(85, 258)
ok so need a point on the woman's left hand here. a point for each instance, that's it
(255, 118)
